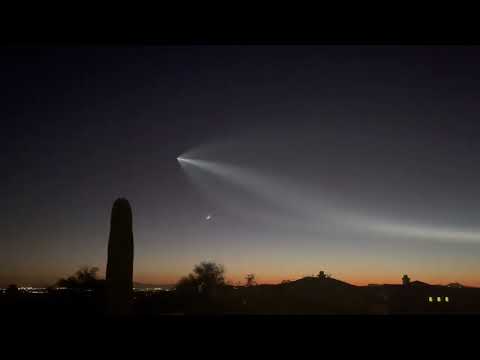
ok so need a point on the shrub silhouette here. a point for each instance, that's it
(119, 276)
(84, 278)
(206, 278)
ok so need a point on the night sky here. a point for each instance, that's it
(360, 161)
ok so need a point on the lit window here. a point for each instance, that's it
(439, 299)
(446, 299)
(430, 299)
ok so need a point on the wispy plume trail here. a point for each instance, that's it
(413, 231)
(303, 210)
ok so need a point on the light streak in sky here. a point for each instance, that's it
(417, 231)
(314, 210)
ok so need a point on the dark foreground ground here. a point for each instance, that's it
(307, 296)
(316, 313)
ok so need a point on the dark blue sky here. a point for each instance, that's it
(388, 136)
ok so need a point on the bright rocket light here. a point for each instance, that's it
(184, 160)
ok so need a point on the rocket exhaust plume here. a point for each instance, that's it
(296, 200)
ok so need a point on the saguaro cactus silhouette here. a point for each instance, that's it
(120, 259)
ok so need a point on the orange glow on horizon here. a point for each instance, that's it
(358, 281)
(44, 279)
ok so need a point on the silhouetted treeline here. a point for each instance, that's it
(205, 291)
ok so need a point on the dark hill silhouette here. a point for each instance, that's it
(308, 295)
(320, 283)
(312, 295)
(420, 283)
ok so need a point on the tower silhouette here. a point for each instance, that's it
(119, 274)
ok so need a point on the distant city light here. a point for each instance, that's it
(150, 289)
